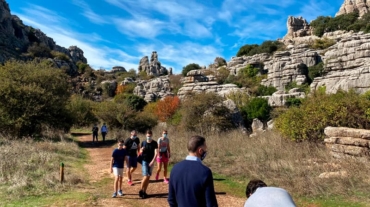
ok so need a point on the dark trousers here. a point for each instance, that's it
(103, 135)
(95, 136)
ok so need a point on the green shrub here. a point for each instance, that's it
(39, 50)
(293, 102)
(316, 71)
(221, 75)
(59, 55)
(82, 111)
(265, 90)
(33, 94)
(204, 111)
(133, 101)
(322, 43)
(301, 88)
(191, 66)
(308, 121)
(256, 108)
(266, 47)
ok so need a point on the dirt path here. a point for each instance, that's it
(98, 170)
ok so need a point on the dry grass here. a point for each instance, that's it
(31, 168)
(279, 162)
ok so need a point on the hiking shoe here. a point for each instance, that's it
(144, 195)
(130, 183)
(120, 193)
(141, 193)
(156, 177)
(165, 181)
(114, 195)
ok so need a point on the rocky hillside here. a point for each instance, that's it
(23, 42)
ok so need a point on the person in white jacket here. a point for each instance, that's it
(259, 195)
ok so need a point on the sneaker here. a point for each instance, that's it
(130, 183)
(120, 193)
(165, 181)
(114, 195)
(141, 193)
(156, 177)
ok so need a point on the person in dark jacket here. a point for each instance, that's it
(191, 182)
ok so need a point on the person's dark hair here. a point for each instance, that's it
(149, 132)
(253, 185)
(195, 142)
(120, 141)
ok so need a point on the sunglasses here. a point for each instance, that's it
(120, 145)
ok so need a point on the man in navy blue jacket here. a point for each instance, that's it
(191, 182)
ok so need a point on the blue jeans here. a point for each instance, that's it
(146, 169)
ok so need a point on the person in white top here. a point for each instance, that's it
(163, 155)
(259, 195)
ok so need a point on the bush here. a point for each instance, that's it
(256, 108)
(59, 55)
(342, 22)
(222, 75)
(167, 107)
(203, 112)
(266, 47)
(33, 94)
(308, 121)
(265, 90)
(316, 71)
(39, 50)
(247, 77)
(129, 88)
(175, 83)
(133, 101)
(191, 66)
(322, 43)
(82, 111)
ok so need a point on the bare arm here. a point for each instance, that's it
(155, 156)
(111, 165)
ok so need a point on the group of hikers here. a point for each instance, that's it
(95, 132)
(191, 182)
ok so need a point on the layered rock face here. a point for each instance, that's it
(206, 87)
(154, 67)
(347, 65)
(297, 27)
(343, 142)
(153, 89)
(349, 6)
(15, 38)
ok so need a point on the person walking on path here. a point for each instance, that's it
(163, 156)
(149, 151)
(95, 131)
(116, 167)
(104, 131)
(191, 182)
(132, 147)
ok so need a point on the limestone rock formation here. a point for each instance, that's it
(343, 142)
(297, 27)
(279, 98)
(205, 87)
(347, 65)
(154, 67)
(195, 76)
(116, 69)
(349, 6)
(153, 89)
(15, 39)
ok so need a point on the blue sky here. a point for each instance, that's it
(121, 32)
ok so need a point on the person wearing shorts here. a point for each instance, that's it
(116, 167)
(132, 147)
(148, 150)
(163, 155)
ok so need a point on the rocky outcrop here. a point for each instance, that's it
(347, 65)
(195, 76)
(154, 67)
(344, 142)
(15, 39)
(154, 89)
(117, 69)
(350, 6)
(279, 98)
(297, 27)
(206, 87)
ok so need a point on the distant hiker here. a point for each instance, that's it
(191, 182)
(259, 194)
(95, 131)
(132, 147)
(163, 155)
(149, 151)
(104, 131)
(116, 167)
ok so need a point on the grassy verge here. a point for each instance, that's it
(29, 174)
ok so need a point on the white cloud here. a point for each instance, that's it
(140, 27)
(312, 9)
(97, 56)
(89, 13)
